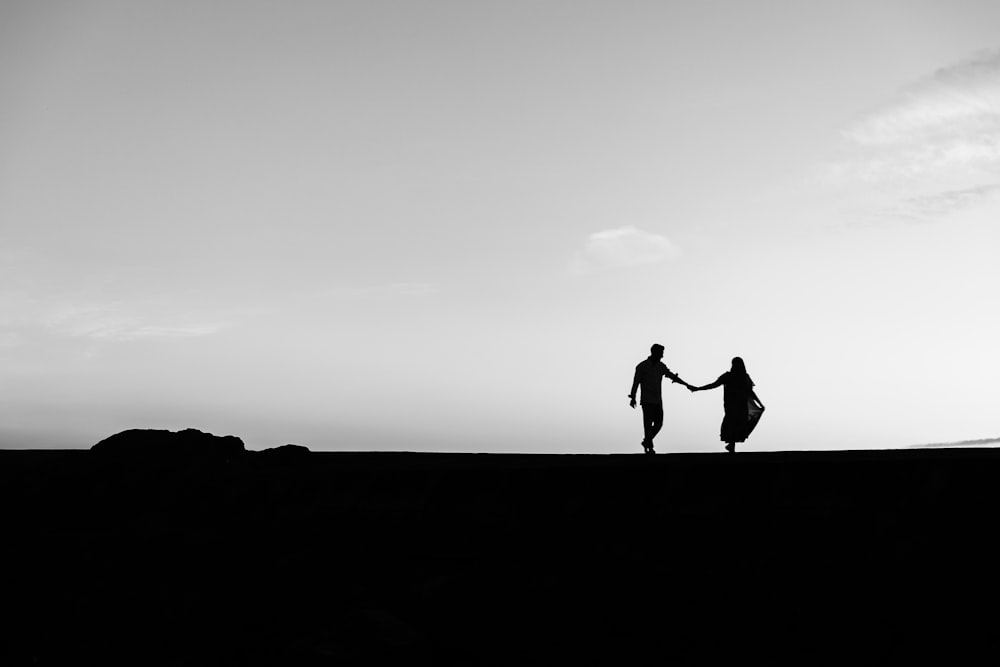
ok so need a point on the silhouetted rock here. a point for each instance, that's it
(285, 454)
(163, 444)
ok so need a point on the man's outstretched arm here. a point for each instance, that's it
(676, 378)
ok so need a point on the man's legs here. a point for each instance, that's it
(652, 422)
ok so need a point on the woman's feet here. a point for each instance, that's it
(730, 447)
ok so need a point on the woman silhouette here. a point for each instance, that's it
(741, 404)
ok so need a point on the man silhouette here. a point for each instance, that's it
(649, 373)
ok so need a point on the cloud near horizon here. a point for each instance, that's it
(621, 248)
(960, 443)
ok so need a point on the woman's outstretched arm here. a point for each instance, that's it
(717, 383)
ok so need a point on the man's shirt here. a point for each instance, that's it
(648, 376)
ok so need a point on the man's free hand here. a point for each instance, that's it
(631, 402)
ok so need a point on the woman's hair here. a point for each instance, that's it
(739, 369)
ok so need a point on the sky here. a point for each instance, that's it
(457, 226)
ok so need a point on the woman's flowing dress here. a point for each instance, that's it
(742, 412)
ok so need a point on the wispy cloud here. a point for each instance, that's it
(953, 161)
(114, 323)
(37, 303)
(931, 207)
(933, 148)
(961, 443)
(621, 248)
(24, 317)
(405, 289)
(958, 105)
(9, 339)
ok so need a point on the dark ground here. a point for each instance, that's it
(297, 558)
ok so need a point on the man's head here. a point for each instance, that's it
(656, 352)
